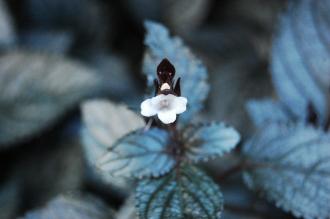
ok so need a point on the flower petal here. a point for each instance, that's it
(167, 117)
(180, 104)
(147, 108)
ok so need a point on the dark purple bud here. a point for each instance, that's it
(165, 71)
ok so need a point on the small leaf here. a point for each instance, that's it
(139, 154)
(104, 123)
(7, 33)
(73, 207)
(300, 59)
(37, 89)
(265, 111)
(291, 166)
(184, 193)
(191, 70)
(209, 140)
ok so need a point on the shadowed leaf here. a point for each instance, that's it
(292, 168)
(36, 89)
(7, 34)
(184, 193)
(49, 41)
(9, 199)
(73, 207)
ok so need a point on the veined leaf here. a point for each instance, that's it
(36, 89)
(265, 111)
(184, 193)
(104, 123)
(73, 207)
(139, 154)
(191, 70)
(301, 58)
(292, 168)
(209, 140)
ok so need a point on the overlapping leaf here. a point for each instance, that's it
(209, 140)
(301, 58)
(266, 111)
(139, 154)
(36, 89)
(292, 168)
(190, 69)
(184, 193)
(104, 123)
(73, 207)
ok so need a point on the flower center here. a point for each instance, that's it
(164, 104)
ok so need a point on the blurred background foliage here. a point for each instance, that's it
(55, 54)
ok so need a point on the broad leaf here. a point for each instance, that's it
(191, 70)
(265, 111)
(36, 89)
(73, 207)
(291, 166)
(139, 154)
(206, 141)
(300, 58)
(7, 34)
(184, 193)
(104, 123)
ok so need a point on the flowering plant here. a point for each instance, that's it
(161, 153)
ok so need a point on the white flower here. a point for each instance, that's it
(165, 106)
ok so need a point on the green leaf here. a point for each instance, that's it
(37, 89)
(291, 166)
(184, 193)
(104, 123)
(207, 141)
(73, 207)
(191, 70)
(139, 154)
